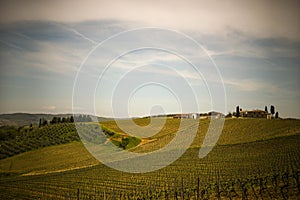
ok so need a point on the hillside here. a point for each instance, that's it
(49, 159)
(25, 119)
(235, 131)
(254, 159)
(25, 139)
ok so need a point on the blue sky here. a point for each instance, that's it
(255, 45)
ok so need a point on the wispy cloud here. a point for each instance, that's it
(77, 33)
(261, 86)
(249, 63)
(260, 18)
(11, 45)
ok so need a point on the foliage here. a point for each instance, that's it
(122, 140)
(266, 109)
(8, 132)
(237, 112)
(272, 110)
(82, 118)
(24, 119)
(26, 140)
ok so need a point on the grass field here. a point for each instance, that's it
(254, 159)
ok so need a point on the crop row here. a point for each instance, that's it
(283, 185)
(38, 138)
(262, 170)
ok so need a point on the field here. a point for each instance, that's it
(253, 159)
(25, 139)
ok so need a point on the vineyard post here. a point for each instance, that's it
(78, 193)
(218, 186)
(166, 190)
(114, 192)
(198, 188)
(175, 192)
(182, 188)
(150, 192)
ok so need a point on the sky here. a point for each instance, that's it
(135, 58)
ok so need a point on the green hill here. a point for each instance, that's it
(26, 139)
(235, 131)
(254, 159)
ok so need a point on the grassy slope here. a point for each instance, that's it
(49, 159)
(235, 131)
(247, 148)
(62, 157)
(239, 161)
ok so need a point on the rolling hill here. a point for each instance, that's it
(254, 159)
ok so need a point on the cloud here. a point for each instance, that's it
(73, 30)
(49, 108)
(31, 49)
(11, 45)
(250, 63)
(257, 85)
(263, 18)
(247, 84)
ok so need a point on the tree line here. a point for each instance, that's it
(71, 119)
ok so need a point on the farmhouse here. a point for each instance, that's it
(255, 114)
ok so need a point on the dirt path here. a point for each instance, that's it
(41, 172)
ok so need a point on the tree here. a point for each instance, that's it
(45, 122)
(54, 120)
(68, 119)
(71, 119)
(64, 120)
(229, 115)
(266, 109)
(40, 123)
(237, 111)
(276, 115)
(272, 109)
(124, 143)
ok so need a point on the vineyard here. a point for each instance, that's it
(38, 138)
(254, 159)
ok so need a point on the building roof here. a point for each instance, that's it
(254, 111)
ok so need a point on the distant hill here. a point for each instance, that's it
(23, 119)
